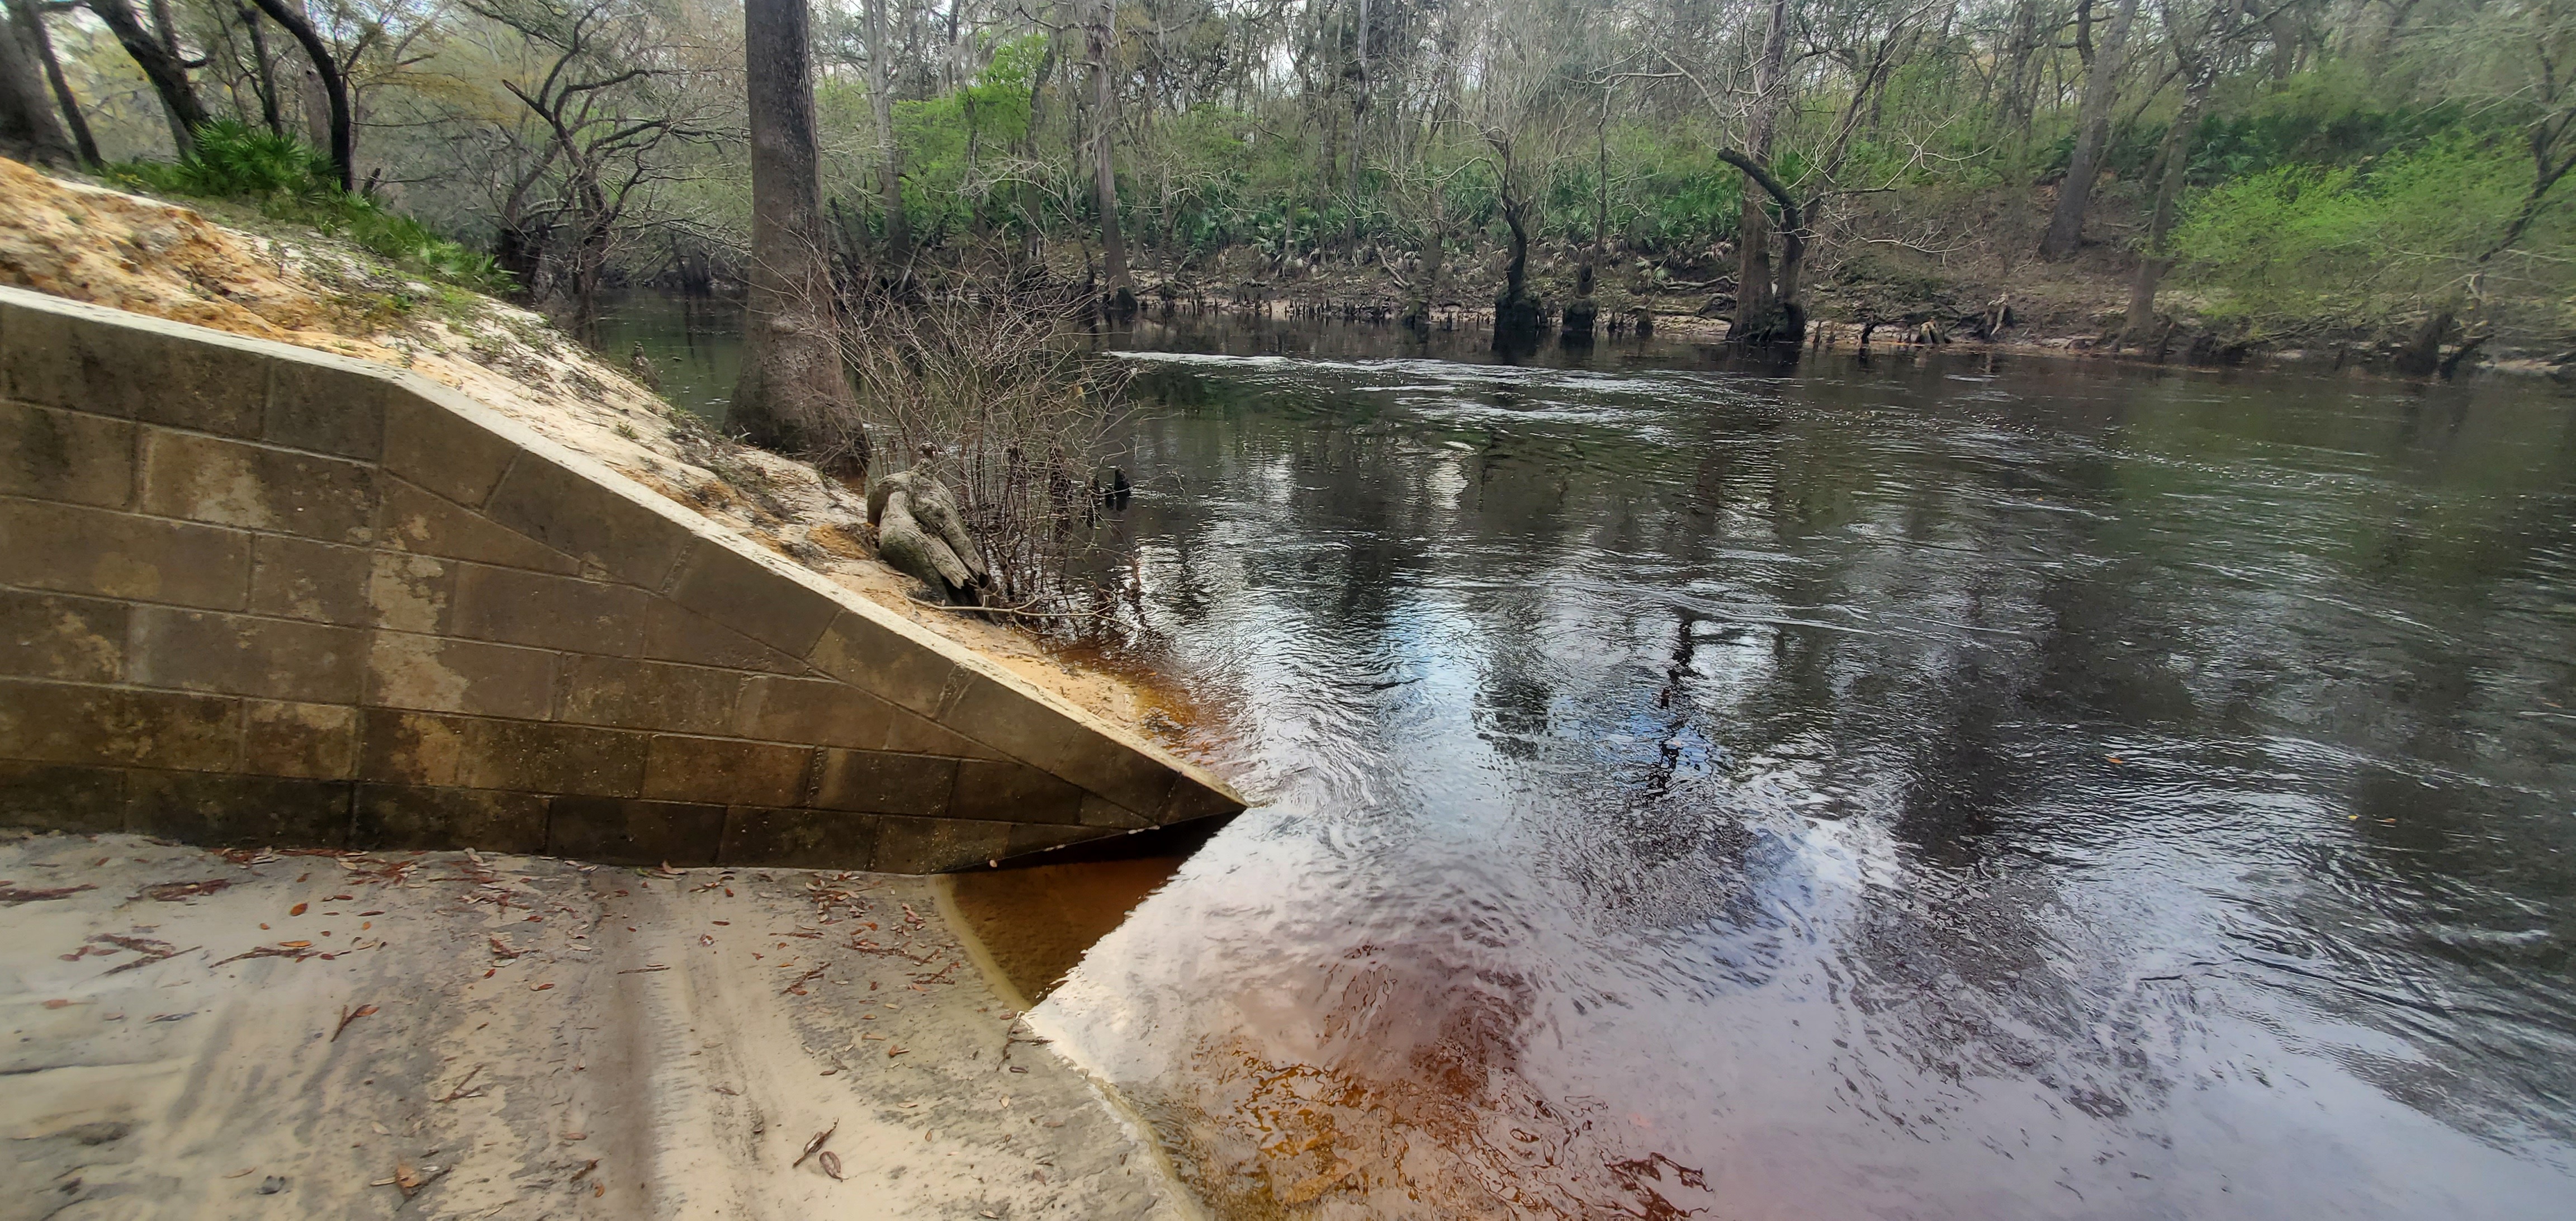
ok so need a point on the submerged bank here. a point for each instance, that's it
(463, 1035)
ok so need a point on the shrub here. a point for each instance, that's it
(288, 180)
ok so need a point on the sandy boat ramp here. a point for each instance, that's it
(262, 1034)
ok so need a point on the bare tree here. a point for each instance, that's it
(335, 87)
(30, 17)
(156, 51)
(29, 129)
(2092, 134)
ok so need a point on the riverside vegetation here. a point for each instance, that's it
(2379, 177)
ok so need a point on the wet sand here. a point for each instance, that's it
(194, 1033)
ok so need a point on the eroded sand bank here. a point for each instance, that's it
(204, 1034)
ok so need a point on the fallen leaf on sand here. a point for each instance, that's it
(294, 945)
(503, 949)
(296, 910)
(650, 966)
(831, 1163)
(539, 987)
(16, 894)
(814, 1145)
(584, 1172)
(348, 1015)
(58, 1003)
(173, 892)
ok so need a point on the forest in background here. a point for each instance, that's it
(2384, 175)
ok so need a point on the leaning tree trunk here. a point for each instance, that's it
(162, 66)
(29, 129)
(1426, 287)
(2153, 259)
(2092, 134)
(1121, 288)
(32, 19)
(1756, 300)
(335, 88)
(793, 395)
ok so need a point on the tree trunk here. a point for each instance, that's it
(2153, 259)
(29, 129)
(793, 395)
(1755, 297)
(162, 66)
(2092, 133)
(1359, 122)
(32, 19)
(335, 88)
(1516, 321)
(1121, 288)
(264, 74)
(1426, 289)
(898, 248)
(1784, 321)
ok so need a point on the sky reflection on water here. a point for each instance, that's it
(1916, 790)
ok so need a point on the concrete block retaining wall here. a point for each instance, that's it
(252, 594)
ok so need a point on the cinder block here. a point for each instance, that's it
(675, 633)
(426, 819)
(537, 757)
(415, 520)
(1013, 792)
(813, 711)
(1190, 800)
(61, 797)
(1099, 811)
(435, 448)
(798, 838)
(242, 655)
(119, 555)
(1027, 838)
(57, 636)
(66, 455)
(442, 674)
(726, 771)
(227, 811)
(234, 483)
(647, 695)
(1041, 734)
(145, 370)
(875, 782)
(625, 832)
(914, 735)
(875, 658)
(937, 845)
(410, 593)
(584, 519)
(294, 578)
(743, 594)
(414, 748)
(550, 612)
(63, 723)
(321, 407)
(315, 741)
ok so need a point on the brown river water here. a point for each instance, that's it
(1930, 787)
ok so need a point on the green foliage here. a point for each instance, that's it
(2362, 245)
(2329, 115)
(288, 180)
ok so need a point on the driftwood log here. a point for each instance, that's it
(921, 533)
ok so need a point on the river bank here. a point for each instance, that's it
(467, 1035)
